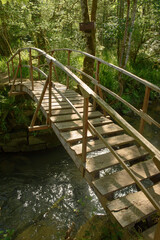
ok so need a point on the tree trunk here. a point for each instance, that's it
(88, 63)
(130, 35)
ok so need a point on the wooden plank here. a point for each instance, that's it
(62, 102)
(121, 179)
(73, 116)
(63, 126)
(149, 233)
(38, 128)
(76, 135)
(69, 111)
(65, 106)
(98, 144)
(108, 160)
(60, 99)
(134, 207)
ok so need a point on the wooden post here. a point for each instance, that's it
(85, 123)
(50, 91)
(157, 231)
(8, 72)
(14, 80)
(69, 53)
(31, 68)
(20, 65)
(38, 67)
(97, 78)
(145, 107)
(39, 103)
(12, 67)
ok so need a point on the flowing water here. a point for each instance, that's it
(44, 190)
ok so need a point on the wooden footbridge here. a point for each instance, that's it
(120, 165)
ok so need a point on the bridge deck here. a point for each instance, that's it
(116, 190)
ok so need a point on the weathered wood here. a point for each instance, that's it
(38, 128)
(157, 231)
(74, 116)
(94, 145)
(50, 91)
(134, 207)
(150, 232)
(67, 83)
(108, 160)
(73, 136)
(12, 87)
(64, 126)
(145, 106)
(20, 66)
(65, 106)
(108, 184)
(70, 111)
(9, 78)
(39, 103)
(85, 128)
(31, 68)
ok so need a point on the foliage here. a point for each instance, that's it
(6, 235)
(13, 111)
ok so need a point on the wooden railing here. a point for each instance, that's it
(87, 92)
(144, 117)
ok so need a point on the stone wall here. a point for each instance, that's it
(23, 141)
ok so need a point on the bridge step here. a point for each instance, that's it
(72, 125)
(134, 207)
(69, 111)
(94, 145)
(71, 117)
(58, 106)
(60, 99)
(73, 136)
(149, 233)
(108, 160)
(109, 184)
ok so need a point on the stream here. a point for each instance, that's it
(43, 192)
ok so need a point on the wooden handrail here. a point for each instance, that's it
(140, 113)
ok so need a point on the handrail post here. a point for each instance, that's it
(144, 108)
(9, 79)
(38, 67)
(31, 68)
(69, 53)
(85, 123)
(20, 65)
(50, 92)
(12, 67)
(97, 78)
(157, 231)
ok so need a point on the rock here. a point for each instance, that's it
(93, 229)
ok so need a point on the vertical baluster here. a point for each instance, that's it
(69, 53)
(85, 124)
(145, 107)
(157, 231)
(31, 68)
(12, 67)
(20, 65)
(8, 72)
(38, 67)
(50, 91)
(98, 80)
